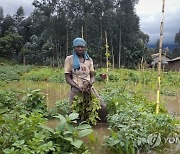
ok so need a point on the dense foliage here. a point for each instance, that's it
(87, 106)
(132, 119)
(29, 72)
(23, 130)
(46, 35)
(131, 115)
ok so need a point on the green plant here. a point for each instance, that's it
(11, 73)
(8, 99)
(87, 105)
(34, 100)
(61, 107)
(66, 137)
(132, 119)
(24, 132)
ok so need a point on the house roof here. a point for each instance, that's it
(157, 54)
(175, 59)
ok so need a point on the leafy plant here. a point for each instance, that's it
(11, 73)
(24, 132)
(132, 119)
(34, 100)
(87, 106)
(61, 107)
(66, 137)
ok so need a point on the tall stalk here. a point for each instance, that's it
(159, 62)
(107, 60)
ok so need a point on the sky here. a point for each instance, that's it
(149, 12)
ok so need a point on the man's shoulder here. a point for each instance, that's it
(69, 57)
(90, 59)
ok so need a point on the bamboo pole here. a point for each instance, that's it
(67, 40)
(47, 94)
(159, 62)
(112, 54)
(120, 46)
(82, 32)
(107, 61)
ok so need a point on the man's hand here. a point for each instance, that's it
(81, 88)
(86, 86)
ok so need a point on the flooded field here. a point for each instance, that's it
(55, 92)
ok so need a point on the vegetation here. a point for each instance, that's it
(87, 106)
(23, 130)
(29, 72)
(131, 115)
(11, 73)
(45, 36)
(132, 119)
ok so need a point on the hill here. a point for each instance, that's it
(170, 46)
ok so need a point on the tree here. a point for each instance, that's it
(1, 19)
(10, 45)
(176, 51)
(8, 25)
(177, 39)
(56, 23)
(157, 46)
(18, 19)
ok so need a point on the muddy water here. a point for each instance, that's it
(95, 145)
(54, 91)
(57, 91)
(171, 103)
(100, 132)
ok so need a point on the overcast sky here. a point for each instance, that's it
(149, 12)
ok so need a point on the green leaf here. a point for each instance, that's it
(73, 116)
(85, 132)
(84, 126)
(61, 118)
(18, 143)
(3, 110)
(47, 128)
(77, 143)
(67, 132)
(69, 139)
(2, 122)
(70, 127)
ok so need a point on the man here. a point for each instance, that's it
(79, 72)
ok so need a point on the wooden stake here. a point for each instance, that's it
(159, 62)
(82, 32)
(67, 40)
(107, 61)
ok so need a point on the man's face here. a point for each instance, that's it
(79, 50)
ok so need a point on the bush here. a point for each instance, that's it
(22, 128)
(61, 107)
(11, 73)
(132, 119)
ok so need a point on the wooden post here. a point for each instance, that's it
(82, 32)
(120, 46)
(47, 94)
(107, 61)
(112, 54)
(159, 62)
(67, 40)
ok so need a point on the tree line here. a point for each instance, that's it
(45, 36)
